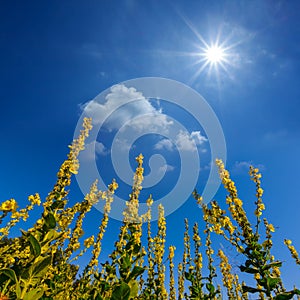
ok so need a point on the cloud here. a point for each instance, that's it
(155, 122)
(122, 143)
(117, 113)
(242, 167)
(198, 138)
(187, 142)
(184, 142)
(166, 168)
(164, 144)
(100, 149)
(92, 150)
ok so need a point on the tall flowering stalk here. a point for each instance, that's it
(159, 250)
(172, 295)
(92, 198)
(229, 280)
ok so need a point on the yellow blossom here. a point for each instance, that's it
(89, 241)
(35, 199)
(288, 242)
(271, 228)
(9, 205)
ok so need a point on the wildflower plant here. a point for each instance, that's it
(39, 264)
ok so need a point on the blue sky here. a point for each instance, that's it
(57, 56)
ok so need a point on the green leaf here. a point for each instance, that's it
(272, 264)
(136, 272)
(58, 204)
(10, 274)
(50, 220)
(121, 292)
(40, 267)
(137, 248)
(272, 282)
(34, 294)
(51, 235)
(287, 295)
(125, 262)
(188, 276)
(35, 247)
(18, 290)
(250, 289)
(210, 287)
(134, 288)
(248, 270)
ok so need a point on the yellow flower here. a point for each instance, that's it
(238, 201)
(171, 252)
(35, 199)
(260, 191)
(9, 205)
(16, 215)
(113, 186)
(89, 242)
(288, 242)
(4, 231)
(271, 228)
(149, 202)
(10, 260)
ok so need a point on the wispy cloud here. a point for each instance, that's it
(188, 142)
(100, 149)
(184, 141)
(242, 167)
(164, 144)
(94, 149)
(166, 168)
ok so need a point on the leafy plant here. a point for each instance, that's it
(38, 264)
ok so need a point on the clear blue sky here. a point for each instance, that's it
(57, 55)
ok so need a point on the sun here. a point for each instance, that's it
(214, 57)
(214, 54)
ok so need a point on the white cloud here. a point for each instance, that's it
(100, 149)
(122, 143)
(189, 142)
(119, 113)
(164, 144)
(92, 150)
(198, 138)
(155, 122)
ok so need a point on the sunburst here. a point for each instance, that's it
(214, 57)
(215, 54)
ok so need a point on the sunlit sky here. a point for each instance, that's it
(57, 56)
